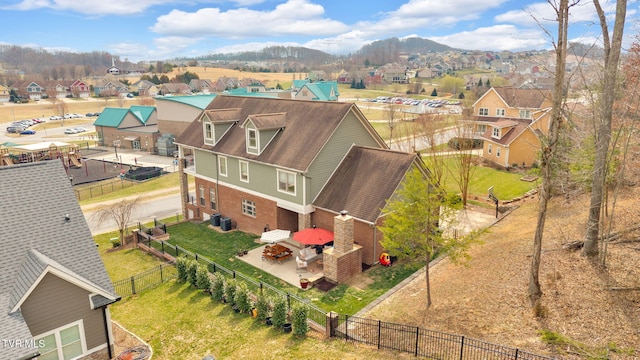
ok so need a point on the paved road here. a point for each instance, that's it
(160, 205)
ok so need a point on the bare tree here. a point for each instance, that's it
(391, 111)
(120, 212)
(463, 165)
(549, 144)
(612, 49)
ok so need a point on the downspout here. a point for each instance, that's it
(106, 331)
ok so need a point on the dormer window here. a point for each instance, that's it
(253, 146)
(496, 132)
(208, 133)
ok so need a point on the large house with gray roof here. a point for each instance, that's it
(290, 164)
(54, 289)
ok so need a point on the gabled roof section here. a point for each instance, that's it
(111, 117)
(353, 188)
(523, 98)
(199, 101)
(143, 113)
(223, 116)
(33, 270)
(68, 244)
(510, 135)
(268, 121)
(325, 91)
(310, 124)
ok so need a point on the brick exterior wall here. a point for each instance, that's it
(363, 234)
(229, 205)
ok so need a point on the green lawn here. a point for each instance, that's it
(507, 184)
(222, 248)
(180, 322)
(123, 263)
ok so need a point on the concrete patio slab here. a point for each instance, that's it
(285, 270)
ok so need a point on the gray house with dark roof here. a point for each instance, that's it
(54, 289)
(290, 164)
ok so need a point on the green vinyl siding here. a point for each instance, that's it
(263, 179)
(349, 132)
(219, 130)
(206, 163)
(264, 137)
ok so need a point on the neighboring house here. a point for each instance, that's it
(133, 128)
(204, 86)
(394, 74)
(5, 94)
(226, 83)
(110, 88)
(54, 289)
(80, 89)
(322, 90)
(29, 90)
(509, 121)
(175, 89)
(175, 113)
(144, 88)
(290, 164)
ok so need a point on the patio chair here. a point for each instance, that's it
(301, 265)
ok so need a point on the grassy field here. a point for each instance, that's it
(180, 322)
(121, 264)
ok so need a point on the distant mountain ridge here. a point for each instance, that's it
(378, 52)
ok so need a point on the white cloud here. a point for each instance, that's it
(499, 37)
(293, 18)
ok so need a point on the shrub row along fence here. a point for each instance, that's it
(384, 335)
(145, 280)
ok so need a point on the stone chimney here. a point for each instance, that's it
(343, 232)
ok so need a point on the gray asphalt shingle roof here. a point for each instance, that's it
(34, 235)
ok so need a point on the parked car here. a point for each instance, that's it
(55, 117)
(15, 129)
(70, 131)
(27, 132)
(80, 130)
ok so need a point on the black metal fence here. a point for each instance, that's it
(316, 316)
(385, 335)
(145, 280)
(104, 187)
(422, 342)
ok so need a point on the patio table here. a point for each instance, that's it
(277, 252)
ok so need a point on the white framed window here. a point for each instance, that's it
(212, 198)
(483, 112)
(489, 148)
(525, 114)
(252, 141)
(496, 132)
(500, 112)
(222, 165)
(208, 133)
(482, 128)
(248, 207)
(497, 151)
(201, 194)
(286, 182)
(244, 171)
(63, 343)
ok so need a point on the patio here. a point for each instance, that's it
(285, 270)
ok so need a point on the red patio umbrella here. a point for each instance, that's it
(313, 236)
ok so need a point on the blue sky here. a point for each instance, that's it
(163, 29)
